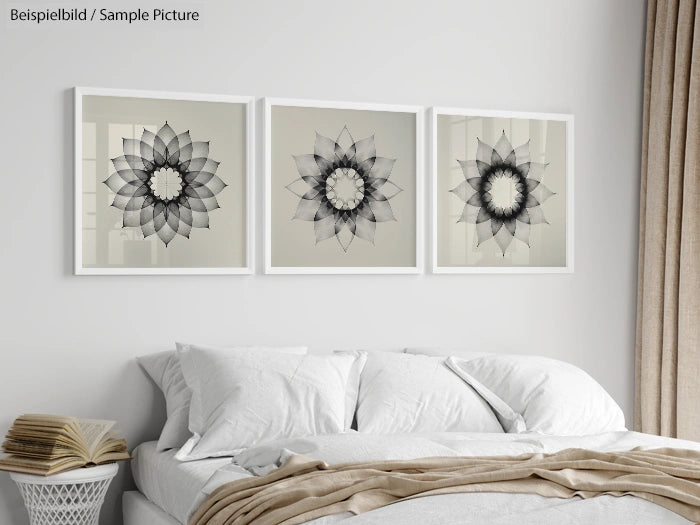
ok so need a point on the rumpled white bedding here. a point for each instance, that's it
(173, 485)
(476, 508)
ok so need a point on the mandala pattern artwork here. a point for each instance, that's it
(165, 184)
(502, 192)
(344, 188)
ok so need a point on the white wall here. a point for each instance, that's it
(68, 342)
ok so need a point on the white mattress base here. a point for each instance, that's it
(174, 486)
(140, 511)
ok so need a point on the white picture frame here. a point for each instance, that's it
(418, 112)
(250, 120)
(568, 120)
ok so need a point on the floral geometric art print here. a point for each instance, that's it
(502, 192)
(163, 183)
(342, 188)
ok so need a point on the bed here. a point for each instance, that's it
(352, 407)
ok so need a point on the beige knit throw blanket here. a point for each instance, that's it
(304, 489)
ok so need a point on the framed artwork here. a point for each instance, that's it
(502, 192)
(163, 183)
(343, 187)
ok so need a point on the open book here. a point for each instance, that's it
(46, 444)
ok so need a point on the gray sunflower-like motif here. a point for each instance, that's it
(502, 192)
(165, 184)
(344, 188)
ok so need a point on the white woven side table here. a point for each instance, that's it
(73, 497)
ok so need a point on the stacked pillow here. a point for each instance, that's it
(165, 370)
(220, 401)
(552, 397)
(403, 393)
(536, 394)
(243, 397)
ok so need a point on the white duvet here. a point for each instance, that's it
(475, 508)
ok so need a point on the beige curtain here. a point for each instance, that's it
(668, 320)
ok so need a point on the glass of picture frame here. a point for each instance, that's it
(164, 183)
(502, 193)
(343, 187)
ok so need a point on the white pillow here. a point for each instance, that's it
(402, 393)
(553, 397)
(164, 368)
(242, 397)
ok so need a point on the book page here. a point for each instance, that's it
(93, 431)
(41, 467)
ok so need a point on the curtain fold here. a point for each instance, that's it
(667, 378)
